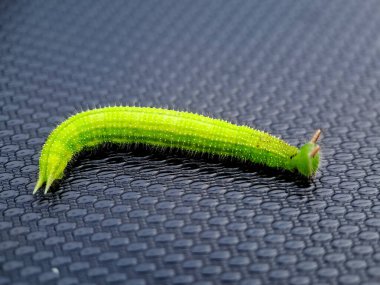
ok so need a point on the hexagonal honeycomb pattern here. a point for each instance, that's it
(137, 216)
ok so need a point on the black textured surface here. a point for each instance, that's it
(137, 217)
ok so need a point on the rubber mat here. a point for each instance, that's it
(137, 216)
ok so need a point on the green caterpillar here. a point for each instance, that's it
(171, 129)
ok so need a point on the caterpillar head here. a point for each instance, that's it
(307, 159)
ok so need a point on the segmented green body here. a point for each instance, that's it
(164, 128)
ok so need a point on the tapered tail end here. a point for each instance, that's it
(39, 184)
(49, 182)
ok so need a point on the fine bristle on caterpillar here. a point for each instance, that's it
(169, 129)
